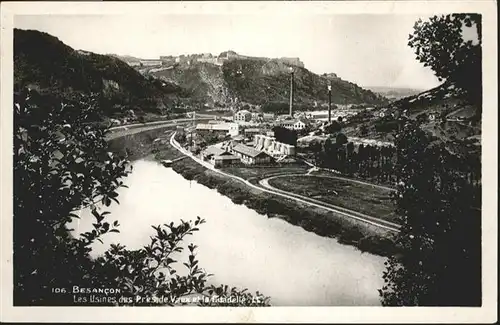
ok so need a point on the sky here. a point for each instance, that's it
(370, 50)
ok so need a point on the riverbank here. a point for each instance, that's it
(239, 246)
(371, 200)
(366, 238)
(138, 145)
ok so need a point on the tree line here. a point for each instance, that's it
(439, 259)
(377, 163)
(439, 263)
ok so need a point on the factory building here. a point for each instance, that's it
(271, 146)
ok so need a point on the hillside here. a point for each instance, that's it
(443, 111)
(44, 63)
(393, 93)
(126, 58)
(444, 103)
(258, 81)
(455, 118)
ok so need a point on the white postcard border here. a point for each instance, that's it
(487, 313)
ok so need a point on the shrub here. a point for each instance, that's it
(363, 130)
(333, 128)
(61, 165)
(386, 126)
(238, 199)
(377, 245)
(350, 235)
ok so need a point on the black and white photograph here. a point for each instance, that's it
(216, 154)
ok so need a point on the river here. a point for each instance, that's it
(241, 247)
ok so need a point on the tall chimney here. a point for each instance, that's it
(291, 92)
(330, 103)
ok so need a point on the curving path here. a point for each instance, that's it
(265, 183)
(329, 207)
(345, 178)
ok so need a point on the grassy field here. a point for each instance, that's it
(371, 180)
(365, 237)
(249, 173)
(371, 200)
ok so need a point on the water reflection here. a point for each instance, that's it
(241, 247)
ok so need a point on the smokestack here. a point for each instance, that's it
(330, 103)
(291, 92)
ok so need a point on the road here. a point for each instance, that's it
(124, 130)
(133, 126)
(331, 208)
(345, 178)
(265, 183)
(121, 131)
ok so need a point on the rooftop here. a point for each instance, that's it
(238, 137)
(226, 157)
(304, 120)
(247, 151)
(212, 150)
(288, 122)
(252, 130)
(219, 126)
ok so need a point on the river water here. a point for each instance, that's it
(241, 247)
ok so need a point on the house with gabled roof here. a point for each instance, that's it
(295, 124)
(242, 116)
(211, 151)
(221, 128)
(301, 124)
(249, 155)
(225, 160)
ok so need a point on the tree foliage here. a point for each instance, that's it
(275, 107)
(440, 237)
(285, 135)
(333, 127)
(439, 259)
(386, 125)
(363, 130)
(451, 46)
(62, 165)
(341, 139)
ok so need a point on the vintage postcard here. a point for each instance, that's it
(281, 161)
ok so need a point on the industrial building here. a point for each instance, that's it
(296, 124)
(242, 116)
(219, 157)
(231, 129)
(225, 161)
(249, 155)
(271, 146)
(251, 132)
(211, 151)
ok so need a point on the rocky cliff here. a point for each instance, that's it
(260, 80)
